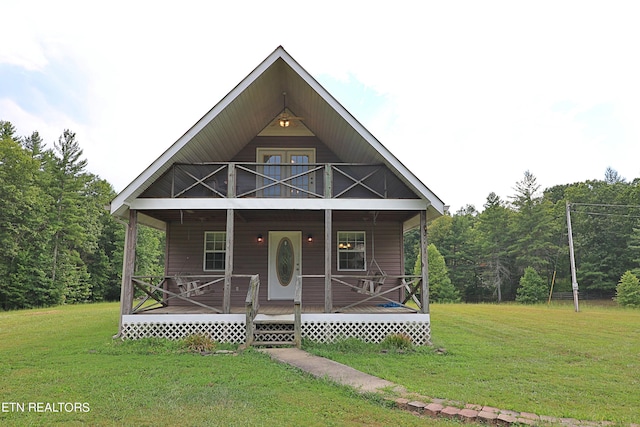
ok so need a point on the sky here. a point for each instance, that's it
(466, 94)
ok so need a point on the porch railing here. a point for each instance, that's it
(408, 286)
(156, 292)
(264, 180)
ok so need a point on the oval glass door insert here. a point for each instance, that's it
(285, 260)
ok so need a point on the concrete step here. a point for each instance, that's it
(271, 343)
(268, 332)
(283, 319)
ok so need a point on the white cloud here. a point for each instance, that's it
(474, 93)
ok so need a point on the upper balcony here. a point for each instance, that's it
(279, 180)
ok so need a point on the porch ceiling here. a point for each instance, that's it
(276, 216)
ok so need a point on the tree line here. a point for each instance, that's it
(487, 253)
(59, 242)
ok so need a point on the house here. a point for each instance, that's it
(284, 219)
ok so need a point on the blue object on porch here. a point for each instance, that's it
(390, 304)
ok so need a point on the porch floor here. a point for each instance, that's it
(280, 309)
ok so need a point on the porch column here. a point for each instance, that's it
(328, 295)
(231, 181)
(228, 264)
(128, 264)
(424, 264)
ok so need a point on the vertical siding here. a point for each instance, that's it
(323, 153)
(185, 255)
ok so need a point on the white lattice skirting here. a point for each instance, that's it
(367, 327)
(230, 328)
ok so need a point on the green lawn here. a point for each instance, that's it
(66, 354)
(546, 360)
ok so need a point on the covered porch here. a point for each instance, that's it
(371, 303)
(377, 313)
(281, 323)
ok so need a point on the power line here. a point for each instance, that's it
(607, 214)
(605, 205)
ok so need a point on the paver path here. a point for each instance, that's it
(324, 368)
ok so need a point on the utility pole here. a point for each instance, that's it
(574, 280)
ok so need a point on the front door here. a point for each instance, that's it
(285, 263)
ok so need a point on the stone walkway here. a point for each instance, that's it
(421, 405)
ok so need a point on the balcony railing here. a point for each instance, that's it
(280, 180)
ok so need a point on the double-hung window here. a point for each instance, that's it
(351, 250)
(215, 250)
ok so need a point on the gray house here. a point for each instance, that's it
(284, 219)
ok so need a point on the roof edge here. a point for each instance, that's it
(120, 200)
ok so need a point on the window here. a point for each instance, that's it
(351, 250)
(215, 245)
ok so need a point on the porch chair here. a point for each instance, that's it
(371, 285)
(188, 287)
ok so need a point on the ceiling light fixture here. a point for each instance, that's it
(284, 119)
(284, 122)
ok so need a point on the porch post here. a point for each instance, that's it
(424, 264)
(231, 180)
(228, 264)
(128, 264)
(328, 295)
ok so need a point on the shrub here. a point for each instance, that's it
(532, 288)
(199, 343)
(397, 341)
(628, 290)
(441, 289)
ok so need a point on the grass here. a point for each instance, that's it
(543, 359)
(546, 360)
(66, 354)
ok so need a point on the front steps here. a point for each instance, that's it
(273, 330)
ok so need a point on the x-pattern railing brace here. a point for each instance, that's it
(150, 295)
(180, 295)
(200, 181)
(412, 291)
(377, 295)
(357, 182)
(278, 181)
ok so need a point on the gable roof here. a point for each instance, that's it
(254, 103)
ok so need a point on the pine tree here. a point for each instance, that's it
(533, 230)
(533, 288)
(23, 231)
(628, 290)
(73, 225)
(8, 131)
(493, 224)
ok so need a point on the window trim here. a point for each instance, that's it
(205, 251)
(364, 251)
